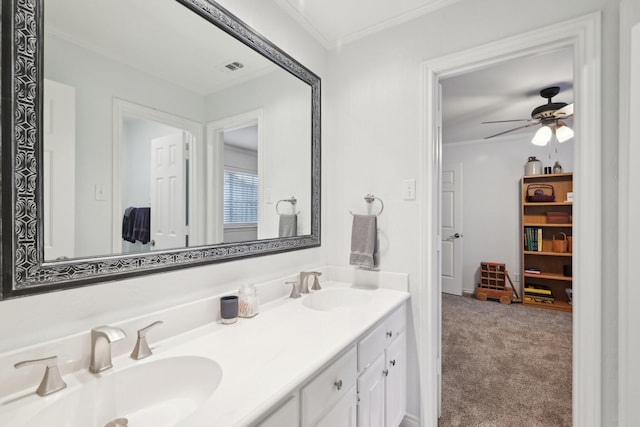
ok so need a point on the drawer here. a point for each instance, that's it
(328, 387)
(397, 321)
(380, 337)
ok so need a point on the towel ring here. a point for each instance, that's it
(370, 198)
(291, 200)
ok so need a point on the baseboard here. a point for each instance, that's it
(410, 421)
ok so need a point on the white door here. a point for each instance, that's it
(59, 132)
(371, 395)
(396, 381)
(168, 203)
(344, 414)
(451, 229)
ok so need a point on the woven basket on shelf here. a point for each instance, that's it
(560, 245)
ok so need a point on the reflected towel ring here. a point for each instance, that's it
(370, 198)
(291, 200)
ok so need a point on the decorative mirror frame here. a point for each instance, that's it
(24, 270)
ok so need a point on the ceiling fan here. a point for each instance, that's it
(552, 116)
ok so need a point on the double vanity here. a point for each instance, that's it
(334, 357)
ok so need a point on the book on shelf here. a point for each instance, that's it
(537, 291)
(539, 240)
(532, 270)
(533, 239)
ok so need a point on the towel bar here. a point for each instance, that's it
(291, 200)
(370, 198)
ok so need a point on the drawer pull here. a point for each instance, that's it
(338, 384)
(386, 372)
(393, 362)
(389, 334)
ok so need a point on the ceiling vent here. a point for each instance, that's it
(234, 66)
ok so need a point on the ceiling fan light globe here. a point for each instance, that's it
(542, 136)
(564, 133)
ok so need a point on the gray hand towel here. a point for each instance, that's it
(288, 226)
(364, 237)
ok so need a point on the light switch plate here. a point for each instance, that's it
(99, 193)
(409, 189)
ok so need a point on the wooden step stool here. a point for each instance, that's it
(493, 284)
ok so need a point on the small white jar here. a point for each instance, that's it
(247, 301)
(533, 167)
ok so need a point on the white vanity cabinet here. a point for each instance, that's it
(382, 381)
(365, 386)
(344, 414)
(330, 398)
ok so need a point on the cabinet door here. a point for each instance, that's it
(344, 413)
(285, 416)
(371, 394)
(396, 381)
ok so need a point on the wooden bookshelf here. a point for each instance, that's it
(540, 254)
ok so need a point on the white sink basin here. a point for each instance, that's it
(151, 394)
(337, 299)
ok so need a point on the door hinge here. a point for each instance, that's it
(187, 150)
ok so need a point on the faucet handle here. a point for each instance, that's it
(142, 350)
(52, 381)
(316, 283)
(295, 291)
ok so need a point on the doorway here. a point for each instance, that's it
(235, 154)
(486, 132)
(146, 124)
(582, 36)
(487, 227)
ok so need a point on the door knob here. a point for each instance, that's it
(454, 236)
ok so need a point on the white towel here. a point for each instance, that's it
(288, 225)
(364, 237)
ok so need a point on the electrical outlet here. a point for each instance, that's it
(516, 277)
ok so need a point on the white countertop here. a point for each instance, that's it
(263, 359)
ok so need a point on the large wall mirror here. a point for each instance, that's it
(146, 135)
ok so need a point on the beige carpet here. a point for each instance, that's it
(504, 365)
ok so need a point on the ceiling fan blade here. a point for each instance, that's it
(511, 130)
(508, 121)
(565, 111)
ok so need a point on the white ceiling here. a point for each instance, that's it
(163, 39)
(507, 91)
(334, 22)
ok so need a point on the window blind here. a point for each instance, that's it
(240, 197)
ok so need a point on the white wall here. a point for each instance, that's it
(374, 104)
(32, 320)
(491, 172)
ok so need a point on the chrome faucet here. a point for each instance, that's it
(304, 281)
(52, 381)
(101, 339)
(142, 350)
